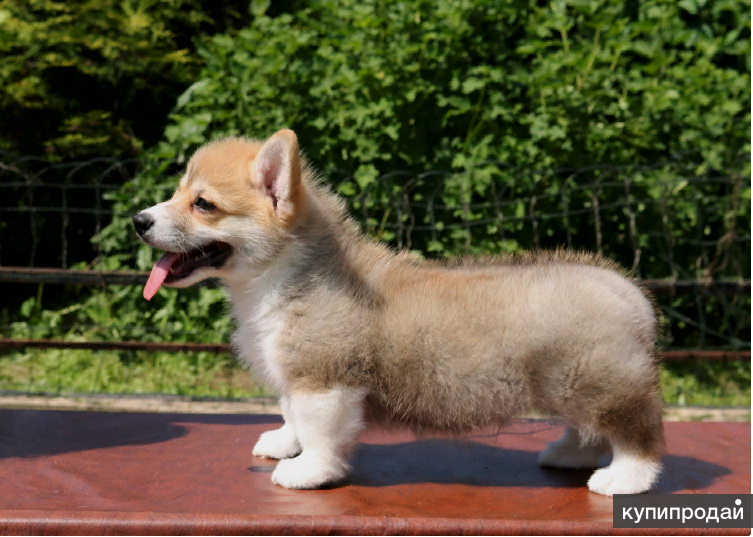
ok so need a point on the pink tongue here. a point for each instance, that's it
(159, 273)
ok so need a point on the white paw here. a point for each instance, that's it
(309, 471)
(279, 444)
(625, 476)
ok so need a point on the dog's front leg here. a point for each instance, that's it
(327, 424)
(282, 443)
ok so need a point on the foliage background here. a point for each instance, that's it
(491, 94)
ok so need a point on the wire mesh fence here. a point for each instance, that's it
(680, 226)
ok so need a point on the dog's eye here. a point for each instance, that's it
(204, 205)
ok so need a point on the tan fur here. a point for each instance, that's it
(434, 346)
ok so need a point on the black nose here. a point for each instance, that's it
(142, 222)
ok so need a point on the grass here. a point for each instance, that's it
(134, 372)
(701, 383)
(210, 375)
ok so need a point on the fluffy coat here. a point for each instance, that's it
(352, 333)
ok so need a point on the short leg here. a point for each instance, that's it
(282, 443)
(327, 424)
(630, 473)
(637, 448)
(614, 393)
(568, 452)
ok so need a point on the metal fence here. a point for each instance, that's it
(683, 230)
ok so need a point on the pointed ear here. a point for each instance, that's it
(276, 171)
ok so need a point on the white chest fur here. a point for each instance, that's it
(259, 313)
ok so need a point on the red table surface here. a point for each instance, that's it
(114, 473)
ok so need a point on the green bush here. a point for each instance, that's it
(96, 77)
(438, 85)
(491, 93)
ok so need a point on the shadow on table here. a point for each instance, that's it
(34, 433)
(472, 463)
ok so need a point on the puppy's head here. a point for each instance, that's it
(232, 210)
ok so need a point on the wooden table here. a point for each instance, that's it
(126, 473)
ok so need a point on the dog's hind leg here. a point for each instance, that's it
(631, 419)
(327, 424)
(637, 446)
(611, 394)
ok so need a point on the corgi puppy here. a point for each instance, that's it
(352, 333)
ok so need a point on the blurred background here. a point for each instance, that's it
(452, 127)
